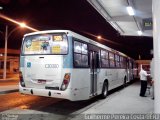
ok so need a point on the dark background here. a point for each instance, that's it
(75, 15)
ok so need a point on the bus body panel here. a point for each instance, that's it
(75, 90)
(39, 68)
(115, 77)
(79, 87)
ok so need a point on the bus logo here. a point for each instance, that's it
(51, 66)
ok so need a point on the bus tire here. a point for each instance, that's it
(104, 90)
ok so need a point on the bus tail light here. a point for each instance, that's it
(21, 79)
(66, 81)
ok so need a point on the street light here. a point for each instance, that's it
(7, 36)
(22, 25)
(99, 37)
(6, 43)
(1, 7)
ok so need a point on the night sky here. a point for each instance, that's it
(75, 15)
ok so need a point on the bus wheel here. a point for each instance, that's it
(104, 90)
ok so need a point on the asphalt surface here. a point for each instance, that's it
(29, 107)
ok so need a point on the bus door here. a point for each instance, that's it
(131, 70)
(128, 71)
(94, 70)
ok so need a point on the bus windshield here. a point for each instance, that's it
(45, 44)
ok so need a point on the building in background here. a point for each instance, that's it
(12, 62)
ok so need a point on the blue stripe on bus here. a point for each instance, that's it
(22, 61)
(67, 59)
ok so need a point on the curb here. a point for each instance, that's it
(9, 91)
(11, 79)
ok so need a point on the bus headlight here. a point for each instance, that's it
(66, 81)
(21, 79)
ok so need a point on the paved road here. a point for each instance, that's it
(44, 108)
(15, 103)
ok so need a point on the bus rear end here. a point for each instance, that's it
(45, 64)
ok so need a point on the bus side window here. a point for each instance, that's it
(84, 61)
(104, 59)
(112, 59)
(117, 60)
(76, 62)
(77, 59)
(80, 54)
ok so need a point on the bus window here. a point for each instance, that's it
(77, 47)
(104, 59)
(77, 59)
(123, 62)
(45, 44)
(84, 60)
(80, 54)
(117, 61)
(111, 59)
(84, 49)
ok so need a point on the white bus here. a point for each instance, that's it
(64, 64)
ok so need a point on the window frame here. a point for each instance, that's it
(104, 58)
(117, 61)
(123, 63)
(112, 60)
(23, 42)
(82, 42)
